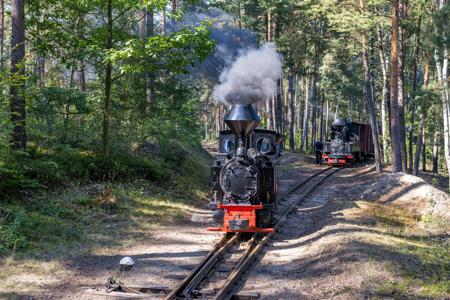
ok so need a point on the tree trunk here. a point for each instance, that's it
(313, 125)
(291, 112)
(413, 106)
(401, 84)
(371, 107)
(108, 83)
(301, 105)
(327, 117)
(149, 76)
(270, 113)
(174, 6)
(2, 32)
(278, 108)
(441, 59)
(436, 142)
(396, 154)
(67, 110)
(313, 101)
(270, 101)
(82, 76)
(269, 26)
(17, 90)
(304, 142)
(424, 153)
(420, 136)
(370, 98)
(321, 117)
(41, 71)
(419, 144)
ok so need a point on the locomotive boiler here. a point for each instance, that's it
(243, 175)
(350, 142)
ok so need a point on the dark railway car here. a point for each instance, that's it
(243, 176)
(350, 142)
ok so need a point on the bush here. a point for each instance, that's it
(59, 167)
(14, 223)
(13, 179)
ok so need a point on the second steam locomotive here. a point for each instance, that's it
(350, 142)
(243, 175)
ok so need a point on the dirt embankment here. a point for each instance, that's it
(408, 192)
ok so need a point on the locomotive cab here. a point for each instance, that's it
(243, 175)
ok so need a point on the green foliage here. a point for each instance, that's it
(173, 52)
(14, 223)
(50, 101)
(53, 168)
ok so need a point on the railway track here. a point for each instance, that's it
(216, 276)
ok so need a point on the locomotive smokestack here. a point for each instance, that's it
(242, 119)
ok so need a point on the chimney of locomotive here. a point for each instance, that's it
(242, 120)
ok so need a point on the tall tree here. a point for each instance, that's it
(17, 89)
(370, 97)
(108, 80)
(396, 155)
(149, 76)
(291, 110)
(402, 37)
(384, 94)
(436, 142)
(422, 112)
(441, 54)
(413, 105)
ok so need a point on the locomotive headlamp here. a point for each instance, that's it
(228, 145)
(126, 264)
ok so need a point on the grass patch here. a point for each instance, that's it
(423, 263)
(388, 216)
(427, 277)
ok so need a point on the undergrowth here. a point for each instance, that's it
(48, 208)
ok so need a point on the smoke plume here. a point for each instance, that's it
(251, 78)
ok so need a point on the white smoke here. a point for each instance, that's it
(251, 78)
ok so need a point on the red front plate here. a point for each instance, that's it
(235, 212)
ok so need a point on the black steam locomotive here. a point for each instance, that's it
(350, 142)
(243, 175)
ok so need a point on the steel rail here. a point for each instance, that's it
(187, 287)
(223, 293)
(204, 266)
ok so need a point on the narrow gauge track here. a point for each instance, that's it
(217, 274)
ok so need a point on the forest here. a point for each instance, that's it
(99, 76)
(88, 86)
(70, 74)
